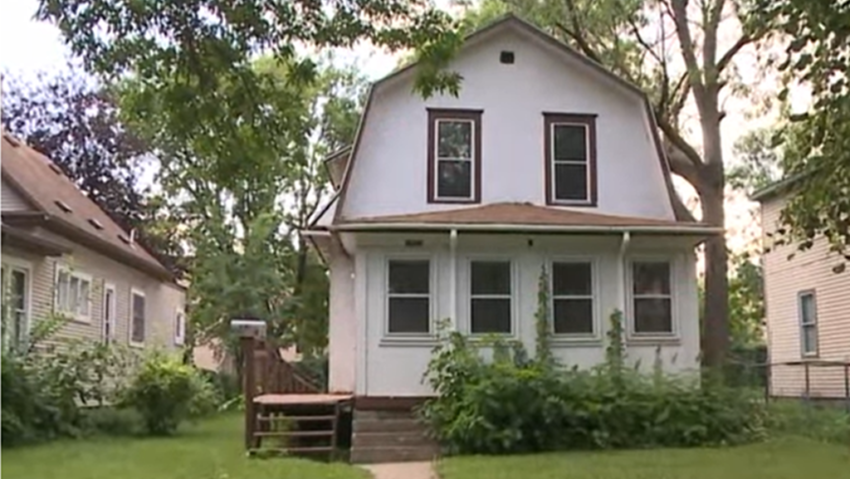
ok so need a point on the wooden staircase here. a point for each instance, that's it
(390, 436)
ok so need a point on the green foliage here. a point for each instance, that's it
(817, 157)
(541, 319)
(111, 421)
(166, 392)
(746, 302)
(821, 423)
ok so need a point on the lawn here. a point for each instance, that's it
(211, 450)
(788, 458)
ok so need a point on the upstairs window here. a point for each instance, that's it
(570, 159)
(454, 156)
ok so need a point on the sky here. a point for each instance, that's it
(28, 47)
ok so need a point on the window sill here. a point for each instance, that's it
(566, 340)
(666, 340)
(409, 341)
(577, 204)
(137, 345)
(75, 318)
(454, 201)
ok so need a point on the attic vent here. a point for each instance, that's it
(63, 206)
(97, 224)
(506, 57)
(55, 168)
(413, 243)
(124, 238)
(12, 140)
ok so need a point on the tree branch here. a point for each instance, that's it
(727, 57)
(686, 45)
(673, 137)
(580, 41)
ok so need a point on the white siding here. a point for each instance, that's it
(393, 147)
(11, 200)
(784, 280)
(162, 299)
(395, 367)
(342, 325)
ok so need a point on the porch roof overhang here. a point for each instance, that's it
(31, 241)
(696, 230)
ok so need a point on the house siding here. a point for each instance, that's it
(162, 299)
(393, 145)
(785, 278)
(11, 200)
(395, 367)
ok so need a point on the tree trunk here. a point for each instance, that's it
(715, 335)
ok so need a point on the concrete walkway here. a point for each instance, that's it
(402, 470)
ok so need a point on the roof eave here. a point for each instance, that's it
(696, 230)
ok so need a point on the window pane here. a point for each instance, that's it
(651, 278)
(454, 139)
(491, 315)
(807, 309)
(570, 182)
(810, 339)
(570, 142)
(653, 315)
(83, 301)
(491, 277)
(137, 333)
(409, 276)
(571, 279)
(454, 179)
(409, 315)
(573, 316)
(19, 289)
(138, 306)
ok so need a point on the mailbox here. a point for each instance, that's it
(249, 328)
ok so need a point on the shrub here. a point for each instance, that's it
(821, 423)
(112, 421)
(165, 392)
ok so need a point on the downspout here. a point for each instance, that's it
(453, 278)
(621, 274)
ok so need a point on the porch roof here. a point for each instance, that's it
(522, 217)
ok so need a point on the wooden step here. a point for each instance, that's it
(293, 433)
(293, 449)
(387, 425)
(392, 439)
(375, 455)
(295, 418)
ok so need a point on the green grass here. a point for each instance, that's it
(210, 450)
(786, 458)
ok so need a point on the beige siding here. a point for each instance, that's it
(784, 280)
(10, 200)
(162, 299)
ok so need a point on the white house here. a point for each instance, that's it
(448, 207)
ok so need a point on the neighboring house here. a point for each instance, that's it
(449, 207)
(63, 255)
(808, 308)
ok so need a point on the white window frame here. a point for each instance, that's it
(137, 292)
(594, 297)
(673, 296)
(513, 297)
(80, 276)
(438, 159)
(432, 288)
(179, 327)
(107, 307)
(554, 162)
(812, 324)
(15, 264)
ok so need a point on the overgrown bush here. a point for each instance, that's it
(513, 404)
(166, 392)
(112, 421)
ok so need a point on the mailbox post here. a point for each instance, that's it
(249, 331)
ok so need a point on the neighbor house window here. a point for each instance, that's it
(490, 297)
(16, 291)
(572, 298)
(137, 317)
(652, 300)
(807, 310)
(179, 328)
(409, 296)
(570, 159)
(109, 305)
(73, 294)
(454, 156)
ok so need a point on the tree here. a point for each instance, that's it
(71, 120)
(746, 302)
(816, 145)
(672, 49)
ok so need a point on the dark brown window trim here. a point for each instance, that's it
(589, 120)
(435, 114)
